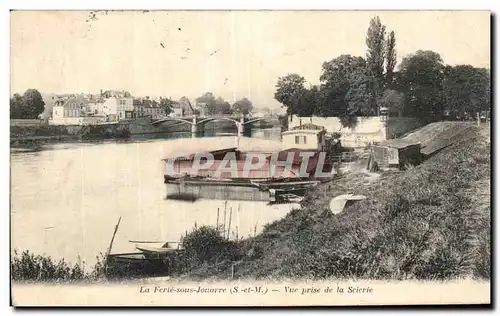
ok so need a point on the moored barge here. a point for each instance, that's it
(269, 182)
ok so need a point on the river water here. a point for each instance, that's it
(66, 198)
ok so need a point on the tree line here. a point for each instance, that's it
(421, 87)
(214, 105)
(217, 105)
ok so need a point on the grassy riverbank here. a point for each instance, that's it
(429, 222)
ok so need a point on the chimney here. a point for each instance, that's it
(101, 92)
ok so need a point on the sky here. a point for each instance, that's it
(233, 54)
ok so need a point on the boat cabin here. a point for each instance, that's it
(307, 136)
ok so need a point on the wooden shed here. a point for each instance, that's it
(397, 153)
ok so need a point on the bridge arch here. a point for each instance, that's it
(177, 119)
(216, 119)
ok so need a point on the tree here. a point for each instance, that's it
(167, 105)
(17, 107)
(222, 106)
(360, 97)
(34, 102)
(420, 78)
(336, 80)
(289, 90)
(381, 52)
(466, 89)
(394, 101)
(390, 57)
(184, 99)
(310, 101)
(29, 106)
(209, 99)
(243, 106)
(266, 110)
(375, 41)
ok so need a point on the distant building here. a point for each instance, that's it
(119, 104)
(69, 109)
(122, 107)
(182, 108)
(186, 106)
(97, 107)
(91, 109)
(138, 108)
(202, 108)
(145, 107)
(176, 112)
(125, 108)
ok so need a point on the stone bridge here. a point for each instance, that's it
(197, 122)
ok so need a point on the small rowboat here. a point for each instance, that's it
(154, 249)
(132, 258)
(167, 247)
(289, 197)
(146, 252)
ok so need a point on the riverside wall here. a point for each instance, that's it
(34, 132)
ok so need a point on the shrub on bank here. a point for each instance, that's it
(106, 131)
(206, 245)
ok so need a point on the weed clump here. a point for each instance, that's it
(27, 266)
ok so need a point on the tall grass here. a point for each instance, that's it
(27, 266)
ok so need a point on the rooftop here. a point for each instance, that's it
(398, 143)
(308, 126)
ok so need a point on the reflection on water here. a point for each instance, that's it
(66, 198)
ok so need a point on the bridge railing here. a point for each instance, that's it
(216, 116)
